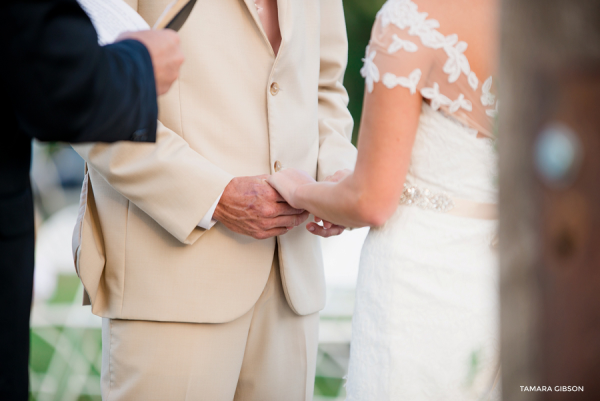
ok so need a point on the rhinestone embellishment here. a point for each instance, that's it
(425, 199)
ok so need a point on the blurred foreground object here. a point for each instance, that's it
(549, 196)
(60, 85)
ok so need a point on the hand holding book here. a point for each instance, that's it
(163, 46)
(114, 20)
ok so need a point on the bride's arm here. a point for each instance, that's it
(370, 195)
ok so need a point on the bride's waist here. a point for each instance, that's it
(440, 201)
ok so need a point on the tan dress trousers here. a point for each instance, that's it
(268, 354)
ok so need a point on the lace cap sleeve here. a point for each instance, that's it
(395, 58)
(408, 50)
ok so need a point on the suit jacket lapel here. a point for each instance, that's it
(282, 8)
(285, 22)
(252, 9)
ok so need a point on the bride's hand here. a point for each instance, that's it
(329, 229)
(287, 181)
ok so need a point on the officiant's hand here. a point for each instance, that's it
(166, 55)
(250, 206)
(329, 229)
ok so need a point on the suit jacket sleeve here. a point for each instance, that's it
(169, 181)
(64, 86)
(336, 151)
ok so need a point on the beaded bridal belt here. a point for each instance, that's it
(441, 202)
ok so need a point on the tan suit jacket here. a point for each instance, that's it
(138, 250)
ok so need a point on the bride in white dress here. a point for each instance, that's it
(426, 320)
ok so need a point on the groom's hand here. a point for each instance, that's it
(250, 206)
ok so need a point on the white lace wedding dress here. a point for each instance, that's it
(426, 319)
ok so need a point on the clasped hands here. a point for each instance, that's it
(250, 206)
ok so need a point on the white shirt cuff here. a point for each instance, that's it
(207, 221)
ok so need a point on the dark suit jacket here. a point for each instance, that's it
(57, 84)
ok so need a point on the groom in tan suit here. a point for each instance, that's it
(208, 283)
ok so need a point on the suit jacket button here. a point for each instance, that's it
(274, 88)
(277, 166)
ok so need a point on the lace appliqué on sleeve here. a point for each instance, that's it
(370, 72)
(399, 44)
(410, 82)
(436, 98)
(405, 14)
(397, 59)
(487, 98)
(493, 112)
(461, 103)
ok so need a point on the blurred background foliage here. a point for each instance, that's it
(360, 15)
(65, 341)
